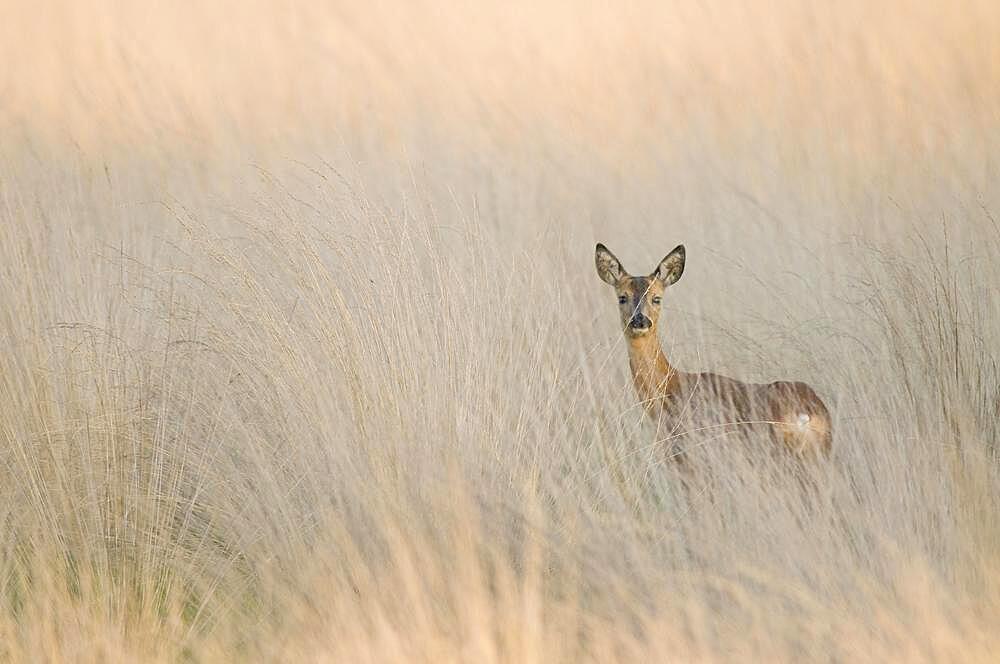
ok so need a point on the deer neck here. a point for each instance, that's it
(653, 375)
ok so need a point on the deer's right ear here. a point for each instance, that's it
(608, 267)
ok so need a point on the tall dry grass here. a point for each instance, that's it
(306, 359)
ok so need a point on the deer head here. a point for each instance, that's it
(639, 297)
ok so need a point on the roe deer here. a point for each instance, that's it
(796, 417)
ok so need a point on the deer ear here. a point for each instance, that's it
(671, 267)
(608, 267)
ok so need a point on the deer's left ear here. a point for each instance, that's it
(671, 267)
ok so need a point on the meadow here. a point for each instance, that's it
(305, 357)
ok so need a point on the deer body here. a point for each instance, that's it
(795, 416)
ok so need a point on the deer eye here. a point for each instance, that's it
(622, 299)
(656, 299)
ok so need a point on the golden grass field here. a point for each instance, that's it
(306, 359)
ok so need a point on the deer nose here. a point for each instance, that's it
(639, 322)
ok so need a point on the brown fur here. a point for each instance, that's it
(795, 416)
